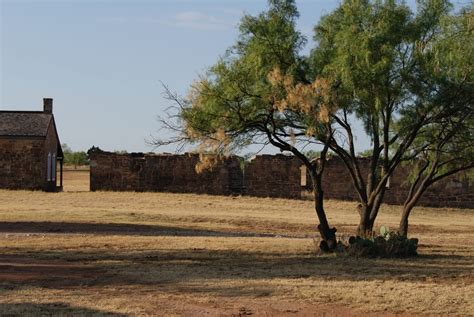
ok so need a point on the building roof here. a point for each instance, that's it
(24, 123)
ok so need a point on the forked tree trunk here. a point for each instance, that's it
(368, 213)
(414, 196)
(366, 224)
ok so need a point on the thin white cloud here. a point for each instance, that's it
(219, 19)
(201, 21)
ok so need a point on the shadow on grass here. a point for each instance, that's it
(49, 309)
(189, 270)
(117, 229)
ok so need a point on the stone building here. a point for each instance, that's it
(30, 150)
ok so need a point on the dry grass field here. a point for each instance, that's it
(83, 253)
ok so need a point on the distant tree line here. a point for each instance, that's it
(76, 158)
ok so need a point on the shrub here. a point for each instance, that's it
(387, 244)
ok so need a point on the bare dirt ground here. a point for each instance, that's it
(83, 253)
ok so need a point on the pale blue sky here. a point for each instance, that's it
(102, 60)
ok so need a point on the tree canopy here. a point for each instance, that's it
(75, 158)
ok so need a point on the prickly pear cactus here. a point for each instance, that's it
(384, 232)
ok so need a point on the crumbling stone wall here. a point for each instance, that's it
(273, 176)
(22, 164)
(455, 191)
(163, 172)
(263, 176)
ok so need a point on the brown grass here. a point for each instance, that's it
(79, 252)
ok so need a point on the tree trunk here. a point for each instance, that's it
(403, 227)
(365, 224)
(365, 228)
(411, 202)
(328, 235)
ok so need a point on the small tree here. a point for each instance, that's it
(446, 145)
(442, 150)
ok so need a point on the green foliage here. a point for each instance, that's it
(446, 144)
(233, 105)
(74, 158)
(358, 44)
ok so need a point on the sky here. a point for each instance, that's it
(102, 61)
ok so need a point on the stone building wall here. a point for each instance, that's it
(50, 146)
(22, 163)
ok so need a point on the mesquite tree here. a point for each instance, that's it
(375, 63)
(446, 145)
(259, 93)
(378, 53)
(443, 149)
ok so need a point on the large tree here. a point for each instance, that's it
(259, 93)
(380, 55)
(372, 64)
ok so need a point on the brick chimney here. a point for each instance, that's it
(48, 105)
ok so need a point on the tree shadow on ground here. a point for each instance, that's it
(118, 229)
(50, 309)
(184, 270)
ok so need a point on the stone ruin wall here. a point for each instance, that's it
(455, 191)
(162, 173)
(264, 176)
(273, 176)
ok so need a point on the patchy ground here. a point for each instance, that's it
(78, 252)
